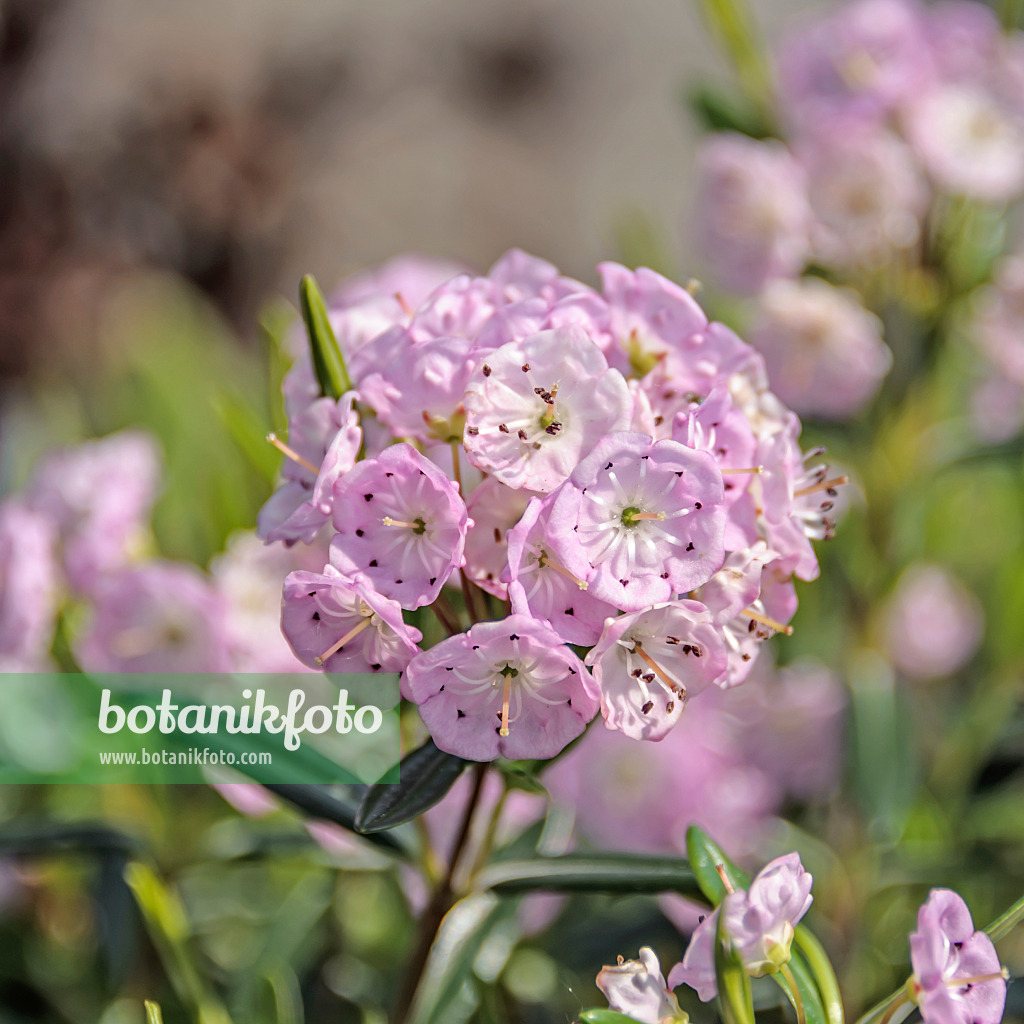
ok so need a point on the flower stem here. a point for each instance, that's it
(441, 902)
(446, 614)
(1006, 921)
(823, 972)
(794, 989)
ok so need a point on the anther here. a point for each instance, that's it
(779, 627)
(825, 485)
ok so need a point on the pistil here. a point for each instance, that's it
(354, 631)
(505, 699)
(291, 453)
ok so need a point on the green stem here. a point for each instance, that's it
(796, 998)
(824, 974)
(885, 1009)
(1006, 921)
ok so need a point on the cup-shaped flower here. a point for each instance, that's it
(495, 509)
(957, 975)
(535, 407)
(641, 520)
(344, 625)
(637, 989)
(758, 924)
(401, 522)
(648, 664)
(541, 586)
(508, 688)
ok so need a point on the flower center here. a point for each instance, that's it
(418, 526)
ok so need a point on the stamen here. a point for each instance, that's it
(779, 627)
(545, 560)
(745, 469)
(334, 648)
(977, 979)
(823, 486)
(669, 682)
(291, 453)
(506, 696)
(406, 308)
(636, 517)
(388, 521)
(720, 868)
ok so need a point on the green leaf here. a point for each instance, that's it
(518, 775)
(425, 775)
(706, 857)
(599, 1016)
(153, 1014)
(592, 872)
(327, 360)
(819, 968)
(333, 804)
(810, 998)
(720, 111)
(446, 993)
(734, 995)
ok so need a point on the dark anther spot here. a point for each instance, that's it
(729, 487)
(645, 456)
(497, 536)
(553, 428)
(679, 472)
(664, 575)
(441, 689)
(569, 702)
(433, 580)
(472, 431)
(670, 706)
(389, 474)
(658, 420)
(449, 668)
(538, 391)
(367, 497)
(373, 564)
(697, 504)
(399, 582)
(751, 626)
(316, 616)
(746, 657)
(569, 611)
(646, 709)
(487, 370)
(312, 593)
(536, 446)
(476, 647)
(513, 636)
(609, 466)
(376, 668)
(461, 714)
(522, 435)
(526, 367)
(624, 583)
(689, 547)
(503, 428)
(359, 533)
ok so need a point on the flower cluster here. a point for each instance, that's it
(603, 469)
(898, 117)
(76, 549)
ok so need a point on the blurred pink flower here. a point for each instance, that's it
(934, 624)
(637, 989)
(753, 220)
(823, 349)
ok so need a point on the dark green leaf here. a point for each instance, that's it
(332, 804)
(734, 995)
(592, 872)
(327, 359)
(814, 1012)
(426, 775)
(153, 1014)
(818, 975)
(519, 775)
(706, 856)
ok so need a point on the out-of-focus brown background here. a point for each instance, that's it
(240, 143)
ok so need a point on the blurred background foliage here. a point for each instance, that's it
(164, 178)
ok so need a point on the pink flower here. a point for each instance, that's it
(542, 587)
(957, 975)
(344, 625)
(648, 314)
(637, 989)
(519, 275)
(649, 664)
(508, 688)
(823, 349)
(416, 387)
(410, 278)
(934, 624)
(640, 520)
(323, 442)
(753, 220)
(970, 141)
(29, 587)
(535, 407)
(495, 509)
(99, 494)
(402, 523)
(758, 923)
(159, 617)
(866, 192)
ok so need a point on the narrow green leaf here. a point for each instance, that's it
(717, 110)
(1006, 921)
(822, 972)
(734, 996)
(599, 1016)
(333, 804)
(706, 856)
(153, 1014)
(592, 872)
(425, 775)
(327, 360)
